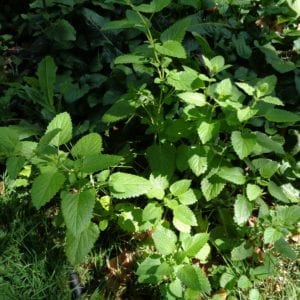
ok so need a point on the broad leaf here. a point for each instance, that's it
(271, 235)
(63, 122)
(77, 247)
(9, 141)
(176, 31)
(185, 215)
(193, 244)
(152, 212)
(164, 240)
(267, 167)
(194, 278)
(88, 145)
(243, 143)
(242, 210)
(61, 31)
(171, 48)
(196, 99)
(211, 187)
(179, 187)
(281, 116)
(77, 209)
(130, 59)
(153, 7)
(98, 162)
(267, 142)
(241, 252)
(124, 185)
(14, 164)
(208, 130)
(45, 186)
(188, 198)
(284, 248)
(253, 191)
(234, 175)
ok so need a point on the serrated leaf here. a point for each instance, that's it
(152, 212)
(158, 186)
(285, 249)
(14, 164)
(175, 288)
(234, 175)
(243, 143)
(46, 139)
(267, 142)
(246, 113)
(267, 167)
(179, 187)
(89, 144)
(63, 122)
(124, 185)
(9, 141)
(281, 116)
(193, 244)
(194, 278)
(180, 226)
(211, 187)
(130, 59)
(77, 209)
(98, 162)
(47, 76)
(224, 87)
(242, 210)
(277, 192)
(241, 46)
(244, 282)
(176, 31)
(171, 48)
(153, 7)
(45, 186)
(185, 215)
(266, 85)
(271, 235)
(253, 191)
(272, 100)
(196, 99)
(208, 130)
(164, 240)
(247, 88)
(241, 252)
(77, 247)
(188, 198)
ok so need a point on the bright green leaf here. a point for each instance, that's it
(90, 144)
(179, 187)
(171, 48)
(234, 175)
(271, 235)
(208, 130)
(253, 191)
(185, 215)
(242, 210)
(164, 240)
(243, 143)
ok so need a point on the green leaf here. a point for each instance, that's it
(283, 247)
(234, 175)
(224, 87)
(77, 247)
(241, 252)
(176, 31)
(267, 142)
(253, 191)
(152, 212)
(63, 122)
(124, 185)
(244, 282)
(247, 88)
(14, 164)
(267, 167)
(272, 100)
(90, 144)
(98, 162)
(188, 198)
(211, 187)
(9, 141)
(208, 130)
(277, 192)
(130, 59)
(164, 240)
(281, 116)
(45, 186)
(196, 99)
(46, 139)
(197, 163)
(179, 187)
(61, 31)
(243, 143)
(77, 209)
(246, 113)
(194, 278)
(158, 186)
(295, 5)
(185, 215)
(265, 86)
(175, 288)
(271, 235)
(193, 244)
(47, 76)
(153, 7)
(241, 46)
(242, 210)
(171, 48)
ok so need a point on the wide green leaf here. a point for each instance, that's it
(234, 175)
(61, 31)
(89, 144)
(179, 187)
(196, 99)
(77, 209)
(14, 164)
(271, 235)
(176, 31)
(171, 48)
(63, 122)
(45, 186)
(253, 191)
(185, 215)
(242, 209)
(212, 186)
(9, 141)
(281, 116)
(77, 247)
(153, 7)
(97, 162)
(193, 244)
(194, 278)
(241, 252)
(47, 76)
(208, 130)
(243, 143)
(267, 167)
(124, 185)
(164, 240)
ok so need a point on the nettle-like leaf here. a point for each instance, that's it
(14, 164)
(88, 145)
(77, 247)
(268, 143)
(130, 59)
(208, 130)
(243, 143)
(171, 48)
(234, 175)
(247, 88)
(193, 244)
(152, 211)
(194, 278)
(61, 31)
(185, 215)
(124, 185)
(77, 209)
(47, 76)
(267, 167)
(283, 247)
(253, 191)
(164, 240)
(188, 198)
(45, 186)
(63, 122)
(277, 192)
(179, 187)
(176, 31)
(212, 186)
(241, 252)
(196, 99)
(242, 209)
(265, 86)
(9, 141)
(271, 235)
(281, 116)
(158, 186)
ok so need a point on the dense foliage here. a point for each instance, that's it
(169, 129)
